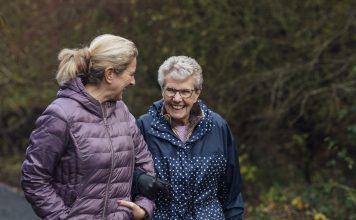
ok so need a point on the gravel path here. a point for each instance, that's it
(13, 205)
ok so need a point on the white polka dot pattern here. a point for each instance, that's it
(193, 193)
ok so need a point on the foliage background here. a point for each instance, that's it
(282, 74)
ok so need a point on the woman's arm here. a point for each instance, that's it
(231, 185)
(144, 162)
(47, 143)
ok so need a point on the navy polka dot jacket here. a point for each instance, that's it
(203, 172)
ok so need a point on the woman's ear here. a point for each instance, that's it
(109, 74)
(196, 95)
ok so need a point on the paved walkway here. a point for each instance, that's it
(13, 205)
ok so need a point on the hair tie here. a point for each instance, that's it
(87, 56)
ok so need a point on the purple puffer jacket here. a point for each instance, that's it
(81, 157)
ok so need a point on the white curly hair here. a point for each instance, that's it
(180, 68)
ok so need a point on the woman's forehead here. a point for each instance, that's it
(187, 83)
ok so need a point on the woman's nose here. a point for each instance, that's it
(177, 97)
(133, 81)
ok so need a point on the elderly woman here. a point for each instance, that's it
(86, 144)
(193, 149)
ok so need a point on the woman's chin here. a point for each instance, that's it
(179, 119)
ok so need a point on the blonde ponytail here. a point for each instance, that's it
(72, 63)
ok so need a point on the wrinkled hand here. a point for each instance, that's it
(150, 186)
(137, 212)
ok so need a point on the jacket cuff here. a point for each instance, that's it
(147, 205)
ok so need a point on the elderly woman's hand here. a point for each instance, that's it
(150, 186)
(137, 212)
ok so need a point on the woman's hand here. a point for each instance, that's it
(137, 212)
(150, 186)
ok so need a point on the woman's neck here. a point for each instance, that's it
(97, 92)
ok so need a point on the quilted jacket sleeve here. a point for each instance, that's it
(231, 190)
(47, 143)
(144, 162)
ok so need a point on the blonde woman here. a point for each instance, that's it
(85, 146)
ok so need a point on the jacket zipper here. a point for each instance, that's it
(112, 162)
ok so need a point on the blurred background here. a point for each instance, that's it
(282, 73)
